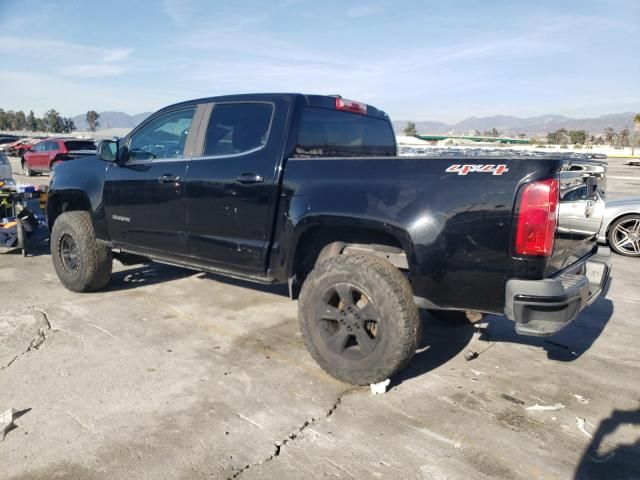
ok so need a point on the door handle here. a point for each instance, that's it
(169, 178)
(247, 178)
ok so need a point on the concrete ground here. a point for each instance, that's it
(175, 374)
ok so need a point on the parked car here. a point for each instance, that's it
(19, 147)
(44, 155)
(5, 167)
(6, 139)
(307, 190)
(621, 226)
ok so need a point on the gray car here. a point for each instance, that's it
(5, 167)
(621, 226)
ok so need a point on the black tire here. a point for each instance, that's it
(81, 263)
(451, 316)
(26, 169)
(342, 336)
(631, 239)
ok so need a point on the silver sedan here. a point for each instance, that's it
(621, 226)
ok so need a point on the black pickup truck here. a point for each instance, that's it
(309, 190)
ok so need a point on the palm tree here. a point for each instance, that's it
(636, 122)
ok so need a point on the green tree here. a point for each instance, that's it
(92, 120)
(410, 130)
(40, 125)
(21, 120)
(559, 137)
(494, 133)
(578, 137)
(68, 125)
(609, 135)
(623, 138)
(31, 121)
(53, 121)
(636, 135)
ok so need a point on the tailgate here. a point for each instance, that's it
(580, 212)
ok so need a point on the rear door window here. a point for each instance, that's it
(237, 128)
(332, 133)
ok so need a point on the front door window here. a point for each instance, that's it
(162, 138)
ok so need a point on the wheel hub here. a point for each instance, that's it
(350, 319)
(69, 255)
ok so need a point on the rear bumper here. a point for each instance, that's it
(544, 307)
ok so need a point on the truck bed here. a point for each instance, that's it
(452, 213)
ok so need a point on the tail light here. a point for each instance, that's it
(351, 106)
(537, 218)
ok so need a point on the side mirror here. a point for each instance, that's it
(108, 150)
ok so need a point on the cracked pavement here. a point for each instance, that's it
(175, 374)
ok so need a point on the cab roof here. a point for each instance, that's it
(321, 101)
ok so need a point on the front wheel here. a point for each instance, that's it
(26, 169)
(81, 263)
(358, 318)
(624, 235)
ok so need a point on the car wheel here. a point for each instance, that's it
(81, 263)
(26, 169)
(624, 235)
(358, 318)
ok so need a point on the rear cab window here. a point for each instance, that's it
(332, 133)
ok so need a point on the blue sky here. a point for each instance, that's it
(420, 60)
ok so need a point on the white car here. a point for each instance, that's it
(5, 167)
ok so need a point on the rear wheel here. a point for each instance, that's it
(81, 263)
(358, 318)
(624, 235)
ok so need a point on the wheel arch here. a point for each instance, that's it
(67, 201)
(316, 240)
(618, 217)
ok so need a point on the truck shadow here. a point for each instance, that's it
(145, 274)
(150, 273)
(598, 461)
(568, 344)
(441, 341)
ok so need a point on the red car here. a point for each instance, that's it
(18, 147)
(42, 156)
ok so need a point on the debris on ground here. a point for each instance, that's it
(380, 388)
(8, 417)
(581, 423)
(581, 399)
(512, 399)
(545, 408)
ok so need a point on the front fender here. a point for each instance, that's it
(79, 185)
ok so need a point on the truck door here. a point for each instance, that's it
(232, 187)
(143, 196)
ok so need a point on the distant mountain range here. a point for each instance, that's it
(512, 126)
(111, 120)
(505, 124)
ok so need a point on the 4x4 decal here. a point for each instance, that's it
(464, 169)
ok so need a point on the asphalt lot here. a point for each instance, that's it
(174, 374)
